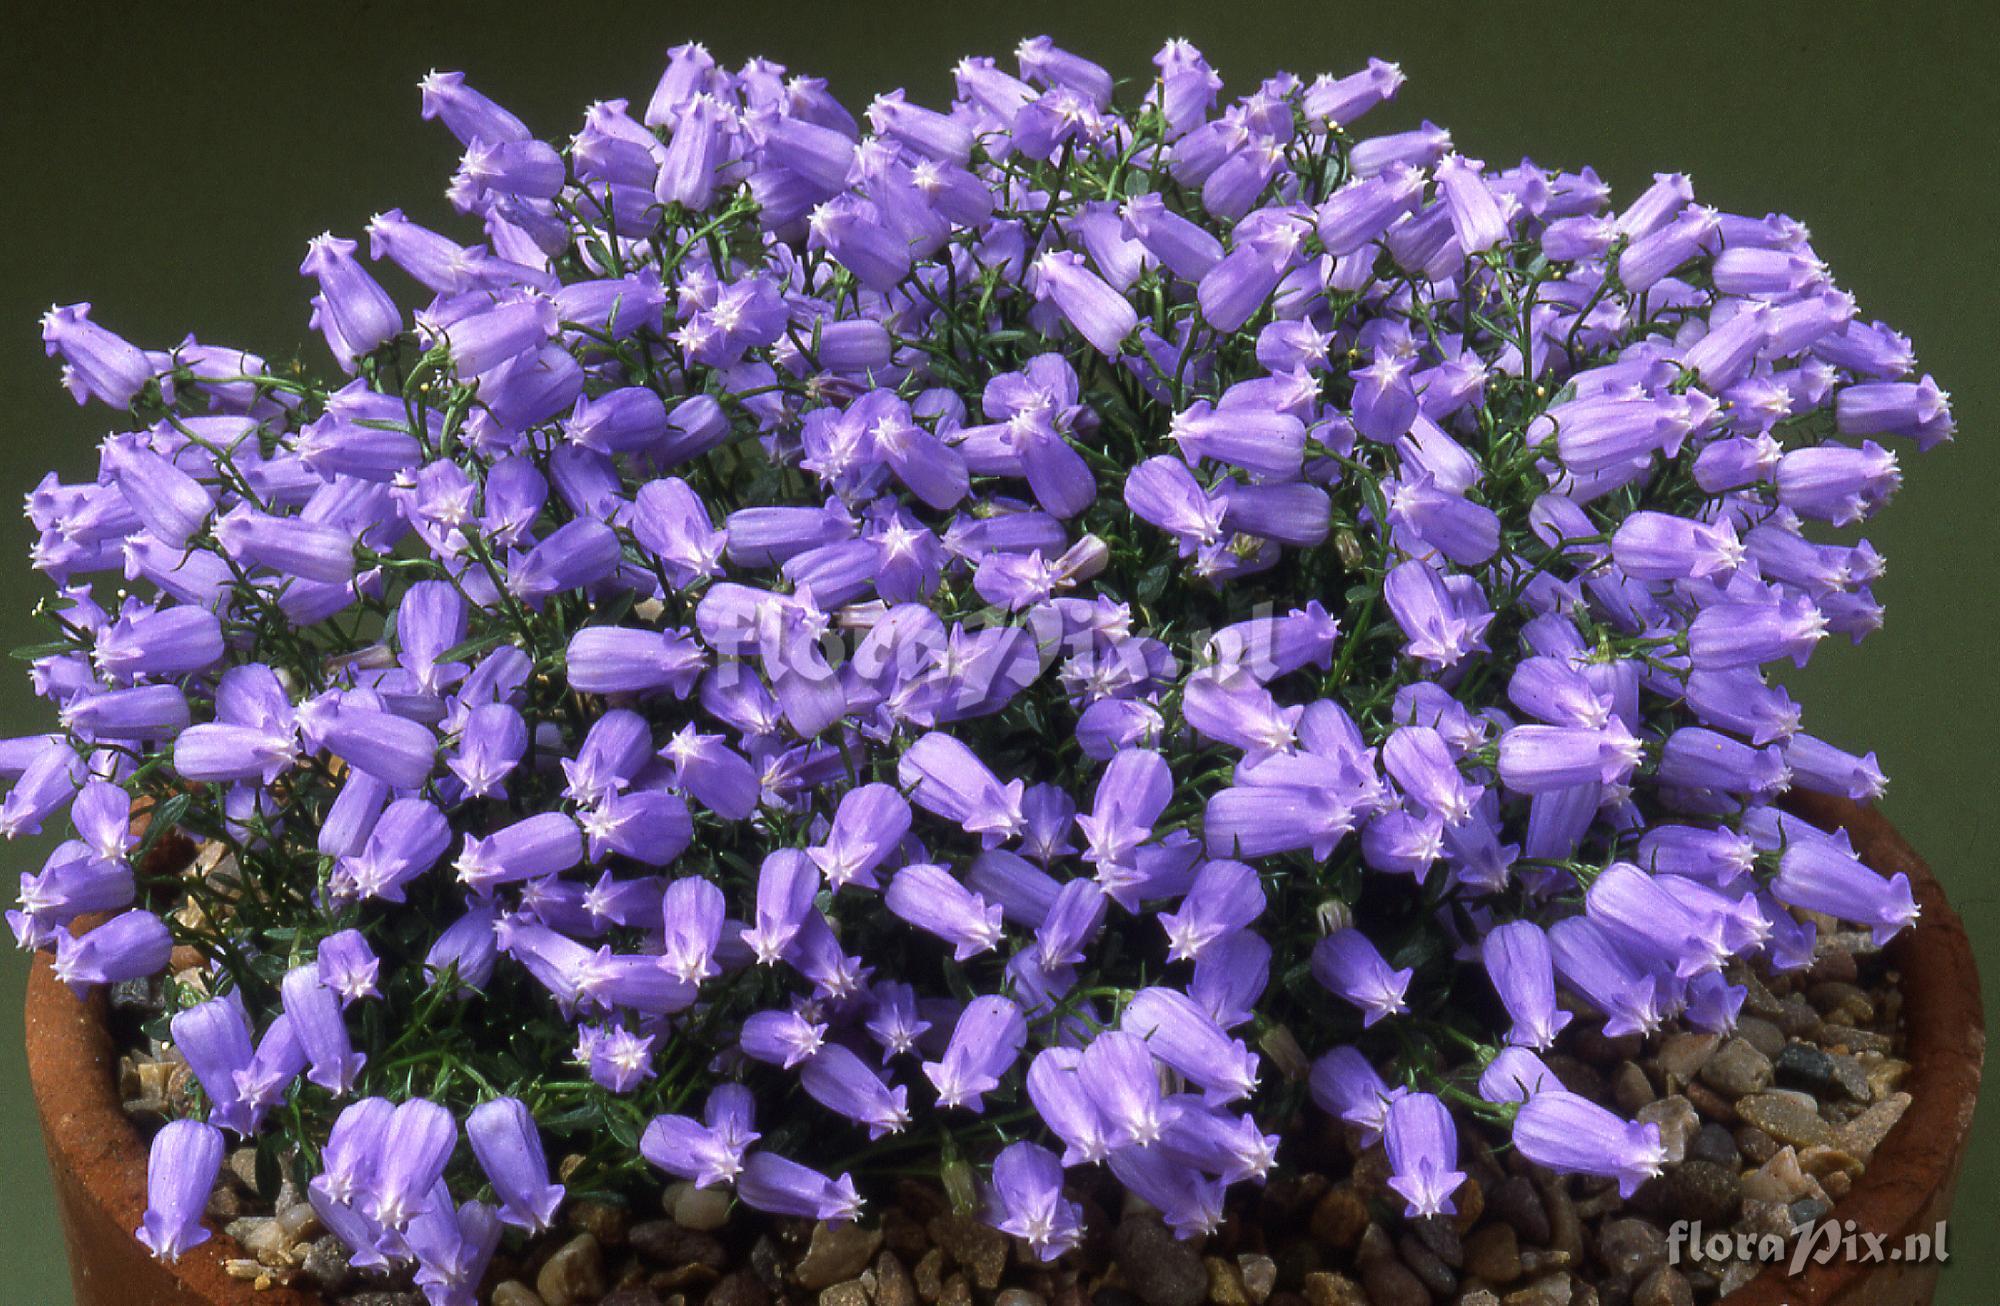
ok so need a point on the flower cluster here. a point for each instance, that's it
(944, 641)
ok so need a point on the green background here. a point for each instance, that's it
(169, 163)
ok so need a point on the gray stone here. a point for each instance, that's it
(836, 1252)
(1160, 1269)
(1630, 1247)
(1019, 1297)
(575, 1274)
(1259, 1274)
(1778, 1180)
(1677, 1120)
(1427, 1265)
(1713, 1143)
(701, 1209)
(1515, 1201)
(1693, 1190)
(1737, 1069)
(1761, 1034)
(327, 1265)
(1854, 1040)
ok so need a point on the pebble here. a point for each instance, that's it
(1630, 1247)
(1809, 1210)
(1225, 1282)
(326, 1263)
(702, 1209)
(1778, 1180)
(1339, 1217)
(1493, 1253)
(637, 1295)
(1391, 1283)
(602, 1221)
(1836, 998)
(1694, 1190)
(1711, 1104)
(1677, 1120)
(515, 1293)
(1259, 1274)
(1712, 1142)
(928, 1274)
(1160, 1269)
(1549, 1290)
(836, 1252)
(1427, 1265)
(1824, 1163)
(850, 1293)
(739, 1289)
(1439, 1234)
(1756, 1145)
(1325, 1288)
(1565, 1231)
(892, 1282)
(1787, 1118)
(1516, 1202)
(1885, 1075)
(1761, 1217)
(1019, 1297)
(574, 1274)
(1630, 1088)
(1865, 1132)
(668, 1243)
(979, 1248)
(957, 1292)
(1681, 1056)
(1737, 1069)
(1665, 1286)
(1821, 1073)
(1479, 1297)
(1855, 1040)
(1797, 1019)
(1761, 1034)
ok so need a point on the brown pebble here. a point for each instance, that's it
(1665, 1286)
(1493, 1253)
(739, 1289)
(1427, 1265)
(1517, 1203)
(1630, 1088)
(978, 1248)
(1225, 1282)
(849, 1293)
(1325, 1288)
(892, 1282)
(1865, 1133)
(1786, 1118)
(1259, 1274)
(666, 1243)
(574, 1274)
(929, 1274)
(1712, 1105)
(1736, 1070)
(602, 1221)
(515, 1293)
(834, 1254)
(1339, 1217)
(1391, 1283)
(1549, 1290)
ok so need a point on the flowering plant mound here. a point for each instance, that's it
(1058, 632)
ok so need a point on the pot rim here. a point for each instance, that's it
(73, 1069)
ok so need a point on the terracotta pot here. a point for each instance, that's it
(1914, 1173)
(99, 1159)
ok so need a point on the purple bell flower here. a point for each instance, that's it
(1347, 965)
(772, 1184)
(1026, 1200)
(1423, 1146)
(984, 1045)
(96, 363)
(1573, 1135)
(932, 899)
(131, 945)
(185, 1159)
(314, 1010)
(508, 1145)
(1518, 962)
